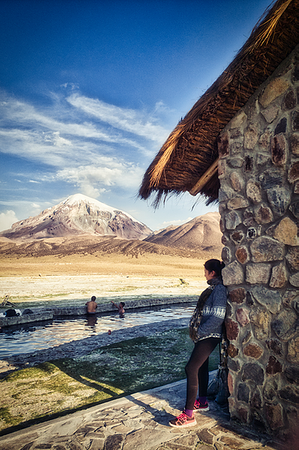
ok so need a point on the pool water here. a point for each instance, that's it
(31, 337)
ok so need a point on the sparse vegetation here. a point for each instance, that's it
(183, 282)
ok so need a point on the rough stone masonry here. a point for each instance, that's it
(259, 207)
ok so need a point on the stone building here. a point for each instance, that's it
(239, 146)
(259, 205)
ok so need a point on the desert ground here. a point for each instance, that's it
(79, 276)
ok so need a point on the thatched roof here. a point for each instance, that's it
(191, 149)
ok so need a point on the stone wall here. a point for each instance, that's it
(259, 207)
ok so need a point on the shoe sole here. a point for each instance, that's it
(201, 409)
(186, 425)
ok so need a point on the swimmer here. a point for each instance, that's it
(91, 306)
(121, 310)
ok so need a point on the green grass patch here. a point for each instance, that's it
(65, 385)
(32, 372)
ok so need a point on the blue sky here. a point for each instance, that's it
(91, 89)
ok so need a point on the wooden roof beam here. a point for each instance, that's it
(205, 178)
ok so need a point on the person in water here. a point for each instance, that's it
(121, 309)
(91, 306)
(205, 328)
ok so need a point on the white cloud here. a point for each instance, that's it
(160, 107)
(125, 119)
(22, 209)
(7, 218)
(60, 141)
(31, 145)
(104, 173)
(49, 148)
(35, 205)
(71, 86)
(87, 142)
(176, 222)
(22, 204)
(26, 122)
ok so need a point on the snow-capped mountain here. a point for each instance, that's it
(76, 215)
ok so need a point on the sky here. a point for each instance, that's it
(91, 89)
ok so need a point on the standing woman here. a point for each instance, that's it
(205, 328)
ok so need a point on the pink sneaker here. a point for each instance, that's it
(183, 421)
(200, 406)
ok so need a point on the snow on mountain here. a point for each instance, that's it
(76, 215)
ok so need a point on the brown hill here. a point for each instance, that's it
(199, 234)
(92, 245)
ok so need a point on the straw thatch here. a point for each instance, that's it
(191, 149)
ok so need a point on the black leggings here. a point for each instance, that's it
(197, 370)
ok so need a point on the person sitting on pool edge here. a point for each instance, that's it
(91, 306)
(121, 310)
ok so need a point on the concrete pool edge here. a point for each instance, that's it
(43, 314)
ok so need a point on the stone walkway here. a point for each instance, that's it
(139, 422)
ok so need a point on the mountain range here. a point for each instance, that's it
(81, 224)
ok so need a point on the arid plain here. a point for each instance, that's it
(80, 276)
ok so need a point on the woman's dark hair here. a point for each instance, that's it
(214, 264)
(122, 303)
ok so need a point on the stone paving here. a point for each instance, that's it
(140, 422)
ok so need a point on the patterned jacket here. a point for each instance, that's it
(213, 313)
